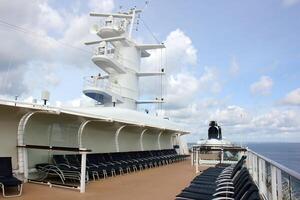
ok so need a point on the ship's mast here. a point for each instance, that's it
(120, 57)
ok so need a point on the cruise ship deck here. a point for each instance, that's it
(157, 183)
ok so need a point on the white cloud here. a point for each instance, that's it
(180, 54)
(50, 18)
(239, 124)
(181, 48)
(234, 68)
(278, 120)
(12, 82)
(231, 116)
(36, 42)
(209, 80)
(182, 88)
(101, 6)
(263, 86)
(82, 101)
(180, 83)
(292, 98)
(290, 2)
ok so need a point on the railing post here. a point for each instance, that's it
(260, 184)
(273, 183)
(254, 168)
(279, 184)
(249, 163)
(263, 177)
(222, 156)
(290, 187)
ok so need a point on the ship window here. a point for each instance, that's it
(101, 50)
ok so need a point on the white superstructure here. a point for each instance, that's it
(117, 54)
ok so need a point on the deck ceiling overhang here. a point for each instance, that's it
(88, 116)
(122, 121)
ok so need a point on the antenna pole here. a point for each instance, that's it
(132, 23)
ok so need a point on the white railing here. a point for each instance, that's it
(101, 83)
(275, 181)
(97, 82)
(216, 155)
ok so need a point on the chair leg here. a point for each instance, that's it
(104, 174)
(20, 189)
(113, 173)
(134, 168)
(121, 171)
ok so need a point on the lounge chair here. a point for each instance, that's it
(7, 179)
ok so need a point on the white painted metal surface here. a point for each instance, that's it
(158, 139)
(82, 127)
(117, 137)
(141, 139)
(83, 172)
(22, 152)
(120, 57)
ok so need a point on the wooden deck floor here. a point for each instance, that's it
(162, 183)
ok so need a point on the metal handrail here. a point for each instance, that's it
(276, 164)
(104, 83)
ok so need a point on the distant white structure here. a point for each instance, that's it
(120, 57)
(214, 137)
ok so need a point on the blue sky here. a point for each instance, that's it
(241, 67)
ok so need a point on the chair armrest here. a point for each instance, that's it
(224, 183)
(224, 176)
(223, 180)
(225, 187)
(223, 192)
(223, 198)
(64, 165)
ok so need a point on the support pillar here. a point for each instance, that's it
(158, 139)
(141, 139)
(80, 131)
(273, 183)
(117, 137)
(83, 172)
(197, 162)
(279, 184)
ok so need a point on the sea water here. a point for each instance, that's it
(287, 154)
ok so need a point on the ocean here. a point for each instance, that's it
(287, 154)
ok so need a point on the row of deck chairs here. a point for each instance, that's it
(233, 182)
(7, 180)
(102, 165)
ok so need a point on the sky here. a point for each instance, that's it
(236, 62)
